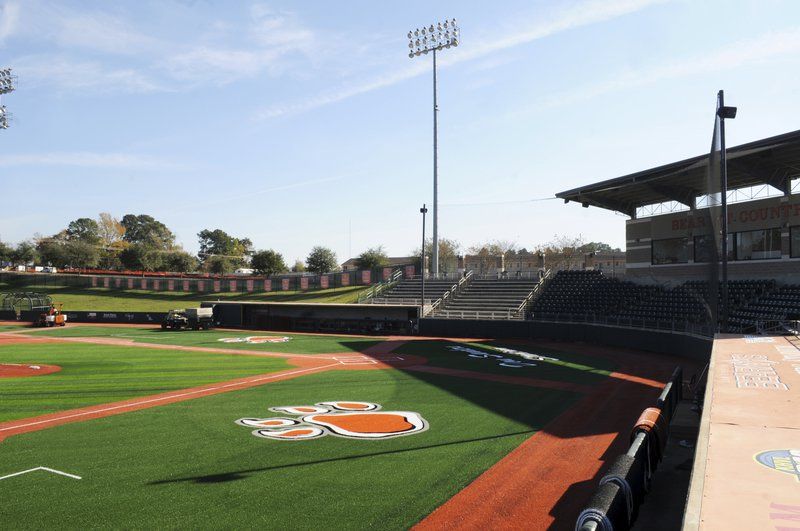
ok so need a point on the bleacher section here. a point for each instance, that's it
(409, 291)
(581, 293)
(770, 308)
(690, 301)
(588, 295)
(485, 298)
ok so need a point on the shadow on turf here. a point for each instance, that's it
(242, 474)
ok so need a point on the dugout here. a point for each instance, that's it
(670, 231)
(315, 317)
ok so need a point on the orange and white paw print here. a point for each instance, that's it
(354, 420)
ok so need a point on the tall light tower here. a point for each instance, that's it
(7, 80)
(421, 41)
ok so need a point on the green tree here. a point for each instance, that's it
(109, 254)
(146, 230)
(141, 257)
(321, 260)
(52, 251)
(180, 262)
(268, 262)
(5, 252)
(81, 254)
(371, 258)
(219, 265)
(217, 242)
(298, 267)
(25, 253)
(84, 230)
(109, 229)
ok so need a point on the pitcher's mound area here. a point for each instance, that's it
(21, 370)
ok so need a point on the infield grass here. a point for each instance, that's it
(188, 466)
(98, 374)
(297, 343)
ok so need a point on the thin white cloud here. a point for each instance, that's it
(9, 20)
(581, 14)
(63, 72)
(733, 56)
(101, 32)
(277, 36)
(122, 161)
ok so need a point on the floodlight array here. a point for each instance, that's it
(434, 37)
(3, 117)
(7, 80)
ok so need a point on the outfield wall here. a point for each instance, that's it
(92, 317)
(244, 284)
(660, 341)
(314, 317)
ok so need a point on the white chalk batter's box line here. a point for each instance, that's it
(355, 360)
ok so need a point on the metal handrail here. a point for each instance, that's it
(523, 305)
(629, 322)
(476, 314)
(454, 290)
(380, 287)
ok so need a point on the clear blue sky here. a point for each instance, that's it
(290, 122)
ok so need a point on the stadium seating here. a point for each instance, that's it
(772, 306)
(582, 293)
(410, 291)
(500, 296)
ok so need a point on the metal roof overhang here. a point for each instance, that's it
(769, 161)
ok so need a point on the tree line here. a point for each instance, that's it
(139, 242)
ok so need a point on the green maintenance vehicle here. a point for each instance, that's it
(194, 318)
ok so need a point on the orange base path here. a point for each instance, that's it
(542, 483)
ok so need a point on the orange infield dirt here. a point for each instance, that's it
(544, 480)
(21, 370)
(543, 483)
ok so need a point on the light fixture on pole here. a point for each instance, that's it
(421, 41)
(422, 211)
(7, 85)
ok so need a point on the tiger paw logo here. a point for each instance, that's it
(353, 420)
(255, 340)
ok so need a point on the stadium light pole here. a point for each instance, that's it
(421, 41)
(724, 113)
(7, 80)
(423, 211)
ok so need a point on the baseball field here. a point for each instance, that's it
(135, 427)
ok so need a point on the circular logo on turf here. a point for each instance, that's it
(255, 340)
(787, 461)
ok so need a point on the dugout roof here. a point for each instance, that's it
(771, 161)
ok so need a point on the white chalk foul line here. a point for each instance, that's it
(54, 471)
(161, 399)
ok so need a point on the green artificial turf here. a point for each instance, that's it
(297, 344)
(97, 374)
(567, 366)
(188, 466)
(117, 300)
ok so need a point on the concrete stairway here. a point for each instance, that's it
(409, 291)
(487, 299)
